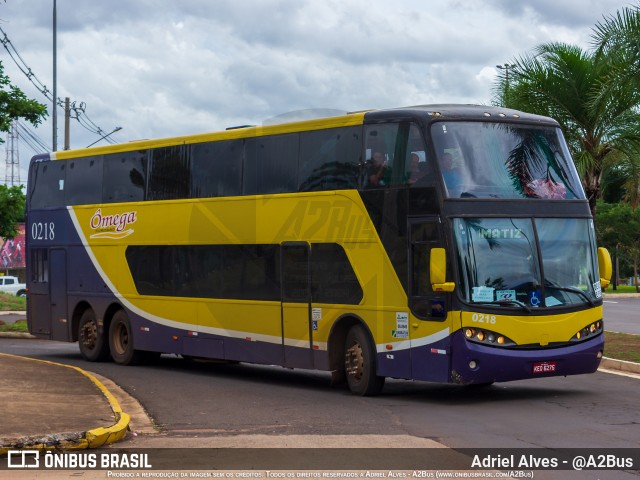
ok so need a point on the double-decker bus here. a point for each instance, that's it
(441, 243)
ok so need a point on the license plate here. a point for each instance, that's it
(544, 367)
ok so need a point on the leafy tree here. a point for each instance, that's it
(588, 92)
(15, 104)
(618, 229)
(12, 202)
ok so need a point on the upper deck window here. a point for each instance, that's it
(500, 160)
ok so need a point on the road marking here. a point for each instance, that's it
(617, 372)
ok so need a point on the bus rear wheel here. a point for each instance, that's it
(93, 345)
(360, 363)
(121, 341)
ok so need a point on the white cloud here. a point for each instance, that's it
(162, 68)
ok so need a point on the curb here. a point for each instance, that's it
(17, 335)
(94, 438)
(620, 365)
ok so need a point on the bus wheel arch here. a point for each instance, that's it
(353, 356)
(92, 340)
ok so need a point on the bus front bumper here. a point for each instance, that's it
(476, 364)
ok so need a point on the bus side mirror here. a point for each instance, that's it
(605, 266)
(438, 271)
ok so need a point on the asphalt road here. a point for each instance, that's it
(622, 314)
(194, 402)
(598, 410)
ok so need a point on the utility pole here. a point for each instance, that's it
(12, 169)
(55, 80)
(67, 115)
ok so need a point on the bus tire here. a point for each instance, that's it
(360, 363)
(93, 344)
(121, 341)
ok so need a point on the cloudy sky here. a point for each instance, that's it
(161, 68)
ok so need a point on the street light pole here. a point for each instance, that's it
(117, 129)
(506, 67)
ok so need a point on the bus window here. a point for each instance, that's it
(499, 160)
(49, 184)
(329, 159)
(380, 150)
(418, 168)
(84, 181)
(425, 235)
(169, 173)
(333, 279)
(216, 169)
(270, 164)
(124, 177)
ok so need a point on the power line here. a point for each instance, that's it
(33, 141)
(79, 112)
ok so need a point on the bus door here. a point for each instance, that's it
(58, 294)
(296, 305)
(430, 330)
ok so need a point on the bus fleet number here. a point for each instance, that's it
(483, 318)
(43, 231)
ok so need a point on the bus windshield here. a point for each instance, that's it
(499, 261)
(500, 160)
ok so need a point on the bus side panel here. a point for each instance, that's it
(49, 231)
(38, 317)
(150, 335)
(432, 362)
(203, 347)
(320, 359)
(395, 363)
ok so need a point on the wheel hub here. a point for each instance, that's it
(354, 361)
(89, 334)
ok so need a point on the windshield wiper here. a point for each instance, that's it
(575, 290)
(506, 302)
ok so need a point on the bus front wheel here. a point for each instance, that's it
(121, 341)
(93, 344)
(360, 363)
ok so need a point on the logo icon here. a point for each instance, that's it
(534, 298)
(23, 459)
(112, 226)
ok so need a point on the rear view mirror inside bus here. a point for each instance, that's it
(438, 271)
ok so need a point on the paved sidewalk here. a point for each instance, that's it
(47, 404)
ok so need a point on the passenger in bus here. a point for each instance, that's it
(451, 175)
(378, 171)
(417, 167)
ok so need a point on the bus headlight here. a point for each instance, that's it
(487, 337)
(589, 331)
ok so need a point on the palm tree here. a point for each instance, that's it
(617, 38)
(600, 117)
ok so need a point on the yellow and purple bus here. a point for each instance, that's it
(443, 243)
